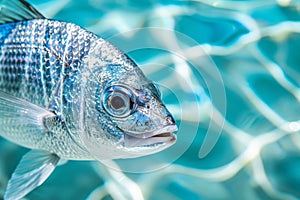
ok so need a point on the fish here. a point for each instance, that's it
(68, 94)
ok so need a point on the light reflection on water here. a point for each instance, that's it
(229, 72)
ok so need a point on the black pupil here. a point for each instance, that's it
(117, 102)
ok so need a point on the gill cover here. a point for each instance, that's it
(104, 98)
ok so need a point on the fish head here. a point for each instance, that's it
(124, 114)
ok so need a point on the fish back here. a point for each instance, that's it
(36, 56)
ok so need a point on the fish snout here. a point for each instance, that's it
(169, 120)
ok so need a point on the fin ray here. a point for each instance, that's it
(17, 10)
(34, 168)
(20, 120)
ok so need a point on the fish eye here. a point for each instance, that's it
(118, 101)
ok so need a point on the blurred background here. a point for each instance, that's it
(229, 72)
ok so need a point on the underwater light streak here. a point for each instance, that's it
(295, 139)
(250, 156)
(284, 2)
(268, 112)
(278, 74)
(254, 145)
(253, 36)
(262, 107)
(227, 171)
(116, 182)
(262, 180)
(98, 193)
(294, 126)
(240, 5)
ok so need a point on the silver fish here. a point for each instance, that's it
(69, 95)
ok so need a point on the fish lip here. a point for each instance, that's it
(164, 136)
(165, 129)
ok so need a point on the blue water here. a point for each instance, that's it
(229, 71)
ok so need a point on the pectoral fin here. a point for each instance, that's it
(21, 121)
(33, 169)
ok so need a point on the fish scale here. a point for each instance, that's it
(35, 59)
(36, 55)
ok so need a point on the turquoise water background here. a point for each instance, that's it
(229, 71)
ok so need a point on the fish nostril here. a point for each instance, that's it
(169, 120)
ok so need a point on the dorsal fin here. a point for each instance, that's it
(17, 10)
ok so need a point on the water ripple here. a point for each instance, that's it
(229, 71)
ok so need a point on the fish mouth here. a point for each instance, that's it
(163, 136)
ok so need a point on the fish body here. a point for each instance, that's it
(67, 94)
